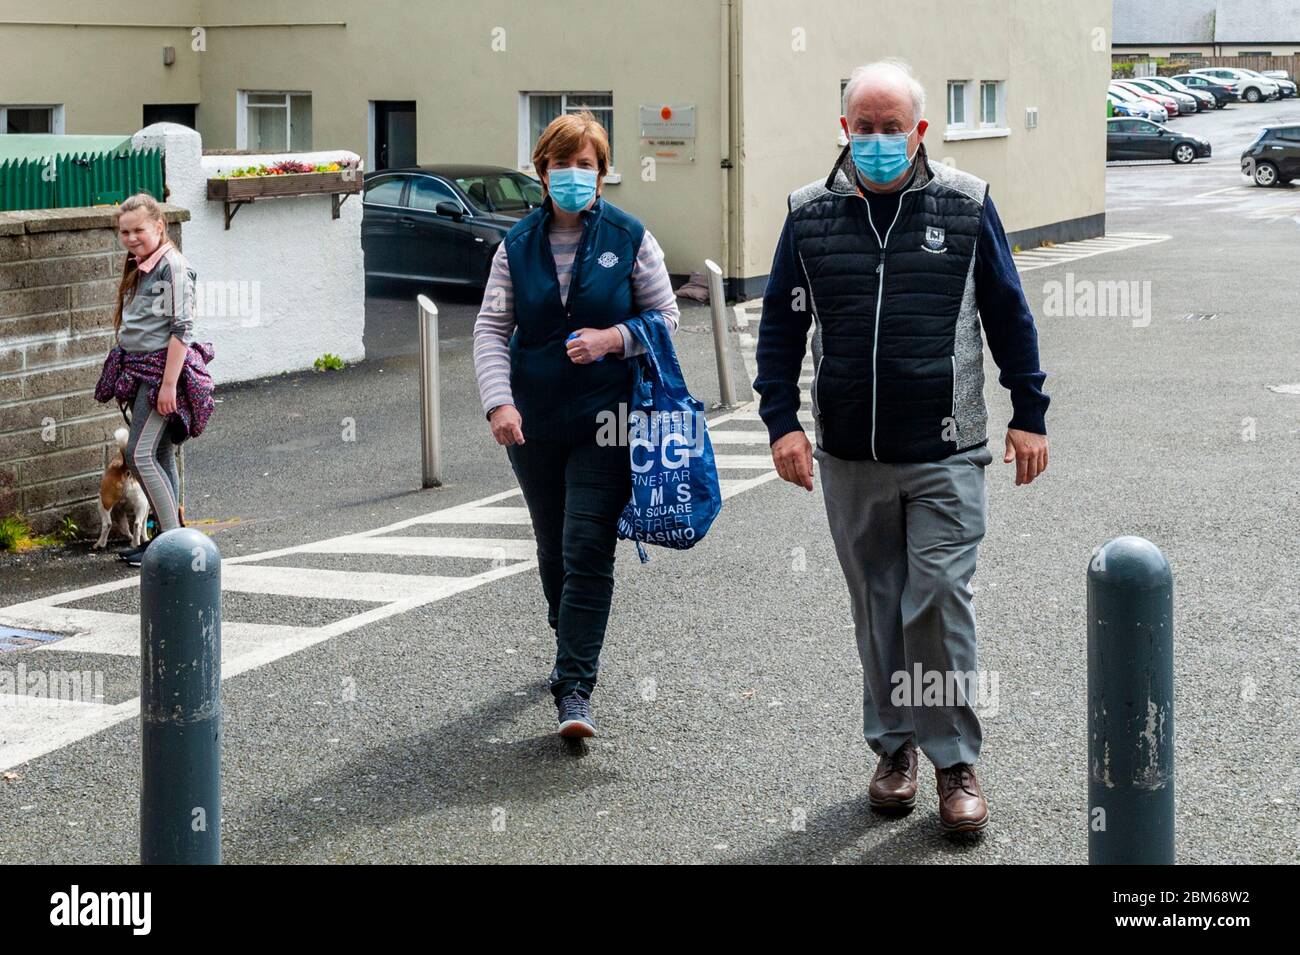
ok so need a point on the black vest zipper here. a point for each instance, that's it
(880, 298)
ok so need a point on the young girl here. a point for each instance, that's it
(154, 368)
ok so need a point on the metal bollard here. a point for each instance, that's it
(718, 305)
(1130, 705)
(430, 397)
(180, 700)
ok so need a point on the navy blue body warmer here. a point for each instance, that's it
(557, 399)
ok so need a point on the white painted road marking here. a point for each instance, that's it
(1041, 258)
(32, 726)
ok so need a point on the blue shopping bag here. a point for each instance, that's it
(675, 490)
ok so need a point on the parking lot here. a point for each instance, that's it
(1136, 190)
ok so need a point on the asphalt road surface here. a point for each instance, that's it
(387, 646)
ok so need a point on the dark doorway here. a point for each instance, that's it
(182, 113)
(394, 134)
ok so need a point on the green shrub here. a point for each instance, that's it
(13, 531)
(328, 362)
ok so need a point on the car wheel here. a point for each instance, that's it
(1251, 95)
(1265, 174)
(1184, 153)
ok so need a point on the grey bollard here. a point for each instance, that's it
(1130, 705)
(430, 395)
(180, 700)
(718, 309)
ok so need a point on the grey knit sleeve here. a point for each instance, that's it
(492, 330)
(652, 291)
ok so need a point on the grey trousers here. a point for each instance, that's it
(149, 455)
(907, 536)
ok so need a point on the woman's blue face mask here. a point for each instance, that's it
(881, 157)
(572, 188)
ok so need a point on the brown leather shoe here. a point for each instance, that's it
(893, 787)
(962, 807)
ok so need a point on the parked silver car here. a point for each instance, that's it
(1204, 101)
(1187, 103)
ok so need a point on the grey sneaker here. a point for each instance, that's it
(575, 715)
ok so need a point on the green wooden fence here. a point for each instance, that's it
(79, 179)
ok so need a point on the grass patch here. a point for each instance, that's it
(16, 535)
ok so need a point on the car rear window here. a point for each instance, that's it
(387, 192)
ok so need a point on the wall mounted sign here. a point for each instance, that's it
(668, 133)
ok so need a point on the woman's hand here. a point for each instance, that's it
(166, 398)
(507, 426)
(590, 344)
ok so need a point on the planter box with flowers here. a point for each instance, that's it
(338, 180)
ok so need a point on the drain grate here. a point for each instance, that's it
(1200, 316)
(15, 638)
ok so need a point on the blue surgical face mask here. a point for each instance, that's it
(881, 157)
(572, 187)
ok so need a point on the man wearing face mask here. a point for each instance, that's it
(896, 263)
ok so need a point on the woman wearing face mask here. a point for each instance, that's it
(551, 345)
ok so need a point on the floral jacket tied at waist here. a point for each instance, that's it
(124, 372)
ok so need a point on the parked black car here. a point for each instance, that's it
(1131, 138)
(1274, 157)
(441, 223)
(1221, 92)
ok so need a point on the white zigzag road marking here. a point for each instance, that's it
(32, 726)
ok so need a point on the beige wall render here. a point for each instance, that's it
(466, 64)
(766, 96)
(101, 59)
(1052, 56)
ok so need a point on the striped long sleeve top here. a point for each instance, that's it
(651, 292)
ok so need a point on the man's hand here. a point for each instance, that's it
(1029, 451)
(592, 343)
(507, 425)
(792, 455)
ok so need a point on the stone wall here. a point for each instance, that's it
(59, 270)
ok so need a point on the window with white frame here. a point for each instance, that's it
(274, 121)
(536, 110)
(992, 104)
(957, 90)
(16, 119)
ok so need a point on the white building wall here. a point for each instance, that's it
(285, 284)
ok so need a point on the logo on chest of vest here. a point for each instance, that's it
(933, 239)
(608, 259)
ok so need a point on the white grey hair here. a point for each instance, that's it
(892, 68)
